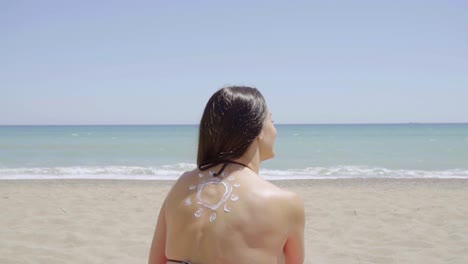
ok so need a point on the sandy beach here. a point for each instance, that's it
(348, 221)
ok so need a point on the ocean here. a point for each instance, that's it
(164, 152)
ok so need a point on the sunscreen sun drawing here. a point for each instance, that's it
(228, 195)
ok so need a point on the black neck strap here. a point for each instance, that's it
(179, 261)
(207, 166)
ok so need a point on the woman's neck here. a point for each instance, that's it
(251, 159)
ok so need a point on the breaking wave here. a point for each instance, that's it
(173, 171)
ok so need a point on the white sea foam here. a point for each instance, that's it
(338, 172)
(173, 171)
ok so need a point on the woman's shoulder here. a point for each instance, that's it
(289, 197)
(271, 193)
(186, 176)
(289, 204)
(181, 181)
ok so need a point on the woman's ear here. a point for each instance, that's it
(260, 136)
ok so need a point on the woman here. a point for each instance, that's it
(223, 211)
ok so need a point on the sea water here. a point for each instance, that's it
(302, 151)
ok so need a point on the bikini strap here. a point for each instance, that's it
(209, 165)
(179, 261)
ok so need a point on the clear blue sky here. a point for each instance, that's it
(158, 62)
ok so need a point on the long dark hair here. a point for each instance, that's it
(233, 117)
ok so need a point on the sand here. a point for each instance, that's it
(348, 221)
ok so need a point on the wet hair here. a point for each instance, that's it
(233, 118)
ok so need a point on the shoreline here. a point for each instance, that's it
(347, 220)
(330, 181)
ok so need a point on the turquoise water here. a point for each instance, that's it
(303, 151)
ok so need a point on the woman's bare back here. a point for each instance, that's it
(236, 217)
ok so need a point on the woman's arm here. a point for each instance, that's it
(158, 247)
(294, 247)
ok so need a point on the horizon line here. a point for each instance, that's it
(193, 124)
